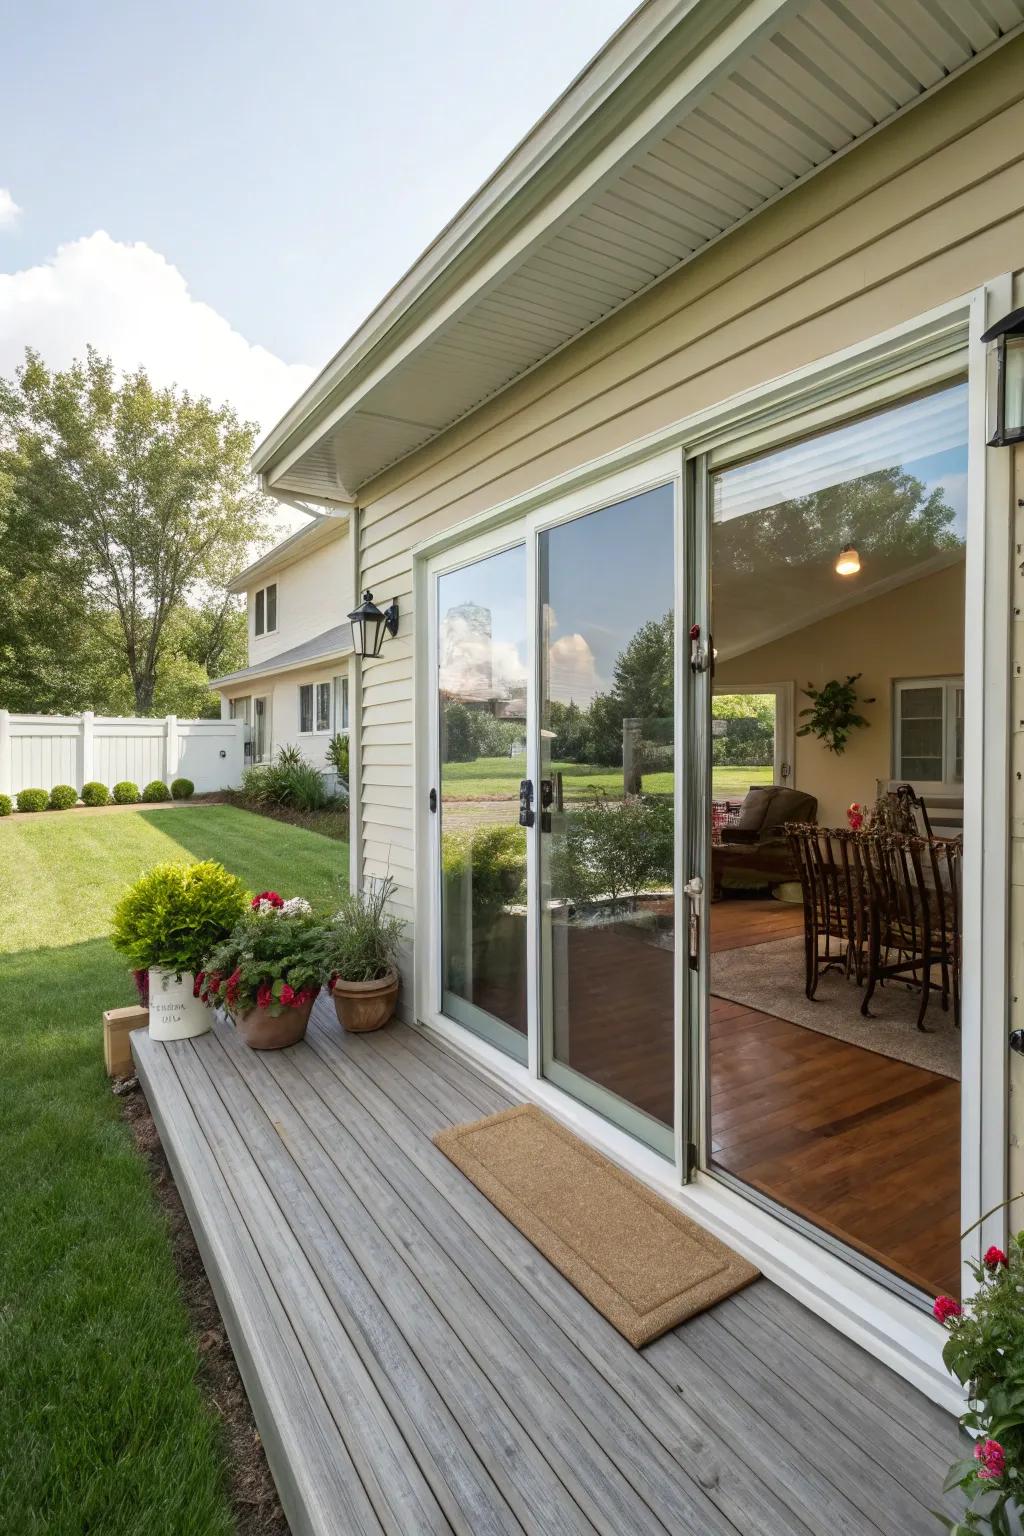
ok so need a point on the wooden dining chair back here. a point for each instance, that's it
(913, 895)
(834, 915)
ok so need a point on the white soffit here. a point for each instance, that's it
(764, 92)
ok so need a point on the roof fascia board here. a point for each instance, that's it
(304, 541)
(308, 664)
(598, 154)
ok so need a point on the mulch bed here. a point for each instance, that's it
(332, 822)
(251, 1490)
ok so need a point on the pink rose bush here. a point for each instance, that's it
(272, 959)
(984, 1350)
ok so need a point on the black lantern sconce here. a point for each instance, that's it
(369, 625)
(1005, 391)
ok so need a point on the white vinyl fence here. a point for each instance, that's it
(39, 751)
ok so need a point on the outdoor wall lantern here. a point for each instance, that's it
(1005, 391)
(369, 625)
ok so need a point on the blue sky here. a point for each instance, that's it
(193, 181)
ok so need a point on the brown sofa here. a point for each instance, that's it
(754, 853)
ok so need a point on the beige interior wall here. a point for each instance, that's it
(915, 631)
(925, 211)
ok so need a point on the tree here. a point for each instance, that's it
(139, 498)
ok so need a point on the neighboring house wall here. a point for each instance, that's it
(916, 631)
(283, 691)
(313, 594)
(927, 210)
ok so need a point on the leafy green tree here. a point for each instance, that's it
(138, 498)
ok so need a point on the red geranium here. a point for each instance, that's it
(992, 1457)
(994, 1257)
(271, 898)
(946, 1310)
(287, 997)
(264, 996)
(197, 985)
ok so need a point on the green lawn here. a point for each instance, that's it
(495, 778)
(102, 1427)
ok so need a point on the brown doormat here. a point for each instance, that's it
(637, 1259)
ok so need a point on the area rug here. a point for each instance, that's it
(770, 978)
(644, 1265)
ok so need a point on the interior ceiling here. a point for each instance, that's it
(832, 72)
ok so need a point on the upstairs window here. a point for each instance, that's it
(266, 610)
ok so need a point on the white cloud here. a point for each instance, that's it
(135, 307)
(572, 670)
(9, 210)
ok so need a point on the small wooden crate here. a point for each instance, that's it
(118, 1024)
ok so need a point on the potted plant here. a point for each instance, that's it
(833, 712)
(267, 972)
(361, 958)
(164, 925)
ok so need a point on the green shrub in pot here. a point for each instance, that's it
(166, 924)
(63, 797)
(492, 860)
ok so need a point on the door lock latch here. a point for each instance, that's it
(526, 817)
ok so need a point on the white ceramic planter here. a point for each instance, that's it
(174, 1014)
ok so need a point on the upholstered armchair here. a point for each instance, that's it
(754, 852)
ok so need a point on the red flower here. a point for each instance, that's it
(287, 996)
(270, 897)
(264, 996)
(994, 1257)
(992, 1457)
(213, 983)
(197, 985)
(305, 996)
(333, 982)
(946, 1309)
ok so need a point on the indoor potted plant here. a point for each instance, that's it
(267, 972)
(164, 924)
(361, 958)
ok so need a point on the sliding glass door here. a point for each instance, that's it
(606, 818)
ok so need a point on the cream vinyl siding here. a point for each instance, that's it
(928, 209)
(314, 593)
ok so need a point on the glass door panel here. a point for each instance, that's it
(481, 701)
(606, 810)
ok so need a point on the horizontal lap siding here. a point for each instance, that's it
(930, 208)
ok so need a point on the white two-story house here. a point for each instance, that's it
(296, 689)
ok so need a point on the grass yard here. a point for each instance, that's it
(495, 778)
(102, 1426)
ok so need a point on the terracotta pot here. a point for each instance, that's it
(365, 1005)
(264, 1031)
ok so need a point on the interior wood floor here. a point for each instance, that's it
(862, 1145)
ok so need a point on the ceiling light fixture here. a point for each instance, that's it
(847, 561)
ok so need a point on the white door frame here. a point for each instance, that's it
(784, 748)
(931, 347)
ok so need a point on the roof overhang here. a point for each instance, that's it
(695, 117)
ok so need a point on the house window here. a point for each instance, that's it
(265, 622)
(929, 734)
(261, 745)
(305, 708)
(323, 706)
(241, 709)
(341, 703)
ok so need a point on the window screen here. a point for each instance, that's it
(306, 707)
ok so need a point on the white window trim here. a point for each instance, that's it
(317, 730)
(948, 784)
(931, 347)
(264, 632)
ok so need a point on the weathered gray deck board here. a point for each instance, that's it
(416, 1366)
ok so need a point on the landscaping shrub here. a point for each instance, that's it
(290, 781)
(176, 914)
(63, 797)
(155, 791)
(95, 793)
(182, 789)
(496, 859)
(126, 793)
(337, 755)
(6, 805)
(614, 849)
(32, 799)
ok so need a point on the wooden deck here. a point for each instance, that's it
(415, 1366)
